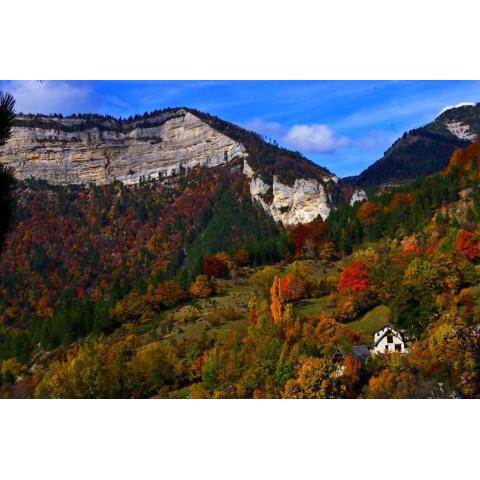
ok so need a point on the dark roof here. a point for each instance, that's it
(361, 352)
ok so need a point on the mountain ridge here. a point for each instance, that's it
(422, 151)
(164, 143)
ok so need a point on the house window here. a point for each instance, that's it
(386, 348)
(390, 338)
(398, 347)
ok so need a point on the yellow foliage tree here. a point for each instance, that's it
(201, 288)
(154, 366)
(315, 379)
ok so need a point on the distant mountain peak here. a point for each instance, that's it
(458, 105)
(425, 150)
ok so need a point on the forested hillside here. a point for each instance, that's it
(77, 248)
(188, 289)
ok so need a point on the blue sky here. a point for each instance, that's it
(343, 125)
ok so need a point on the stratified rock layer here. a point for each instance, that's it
(61, 151)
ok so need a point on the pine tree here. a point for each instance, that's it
(7, 180)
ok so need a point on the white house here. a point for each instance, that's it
(388, 340)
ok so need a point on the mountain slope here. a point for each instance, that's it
(83, 149)
(290, 330)
(191, 186)
(70, 241)
(424, 150)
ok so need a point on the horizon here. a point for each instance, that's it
(344, 126)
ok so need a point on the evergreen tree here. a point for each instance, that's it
(7, 180)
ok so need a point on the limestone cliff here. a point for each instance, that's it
(301, 202)
(92, 148)
(74, 151)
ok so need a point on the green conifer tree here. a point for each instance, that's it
(7, 180)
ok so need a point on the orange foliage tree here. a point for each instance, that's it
(277, 301)
(367, 212)
(315, 378)
(391, 385)
(463, 158)
(201, 288)
(292, 288)
(352, 367)
(401, 198)
(167, 294)
(354, 278)
(411, 246)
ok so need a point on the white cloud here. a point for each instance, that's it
(314, 138)
(265, 128)
(462, 104)
(51, 97)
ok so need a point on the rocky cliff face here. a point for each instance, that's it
(67, 151)
(358, 195)
(102, 149)
(301, 202)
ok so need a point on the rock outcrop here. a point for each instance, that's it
(461, 131)
(358, 195)
(301, 202)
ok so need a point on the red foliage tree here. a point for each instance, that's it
(298, 237)
(253, 316)
(215, 267)
(80, 292)
(468, 245)
(354, 278)
(314, 233)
